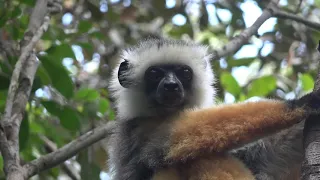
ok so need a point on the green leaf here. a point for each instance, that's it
(16, 12)
(1, 162)
(178, 31)
(306, 81)
(5, 67)
(112, 115)
(112, 15)
(14, 30)
(262, 86)
(103, 105)
(86, 46)
(55, 32)
(87, 94)
(69, 119)
(24, 20)
(43, 75)
(87, 50)
(61, 51)
(90, 110)
(97, 35)
(84, 26)
(36, 84)
(230, 84)
(29, 2)
(3, 18)
(52, 107)
(59, 76)
(36, 128)
(5, 82)
(24, 132)
(89, 170)
(3, 98)
(240, 62)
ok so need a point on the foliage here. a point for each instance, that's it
(80, 48)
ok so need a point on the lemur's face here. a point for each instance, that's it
(162, 77)
(168, 85)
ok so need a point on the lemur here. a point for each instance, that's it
(169, 126)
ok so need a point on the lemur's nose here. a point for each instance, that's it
(171, 86)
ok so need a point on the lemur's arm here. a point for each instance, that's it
(223, 128)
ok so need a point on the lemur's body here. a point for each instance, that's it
(169, 128)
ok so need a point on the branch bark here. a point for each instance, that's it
(74, 147)
(235, 44)
(67, 168)
(271, 10)
(286, 15)
(311, 142)
(19, 92)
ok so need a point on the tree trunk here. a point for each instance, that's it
(311, 164)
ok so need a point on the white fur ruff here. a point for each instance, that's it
(131, 102)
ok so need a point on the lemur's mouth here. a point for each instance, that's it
(170, 101)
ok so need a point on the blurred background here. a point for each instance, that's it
(83, 42)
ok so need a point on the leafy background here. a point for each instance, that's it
(83, 42)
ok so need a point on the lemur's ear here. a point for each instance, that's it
(123, 74)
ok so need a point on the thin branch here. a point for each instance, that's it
(18, 94)
(299, 6)
(67, 151)
(26, 51)
(286, 15)
(52, 147)
(37, 16)
(235, 44)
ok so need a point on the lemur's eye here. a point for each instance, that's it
(154, 74)
(185, 73)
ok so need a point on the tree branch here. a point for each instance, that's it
(19, 92)
(67, 151)
(52, 147)
(235, 44)
(270, 11)
(302, 20)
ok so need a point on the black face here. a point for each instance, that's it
(167, 85)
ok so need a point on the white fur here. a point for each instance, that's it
(131, 102)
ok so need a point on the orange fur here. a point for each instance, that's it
(201, 138)
(222, 128)
(221, 167)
